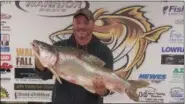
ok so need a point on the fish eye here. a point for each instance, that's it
(99, 23)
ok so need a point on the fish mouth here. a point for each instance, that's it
(35, 48)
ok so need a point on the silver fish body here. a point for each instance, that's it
(79, 67)
(75, 70)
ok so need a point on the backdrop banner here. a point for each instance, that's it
(146, 39)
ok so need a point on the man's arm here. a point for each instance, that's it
(108, 59)
(105, 54)
(43, 72)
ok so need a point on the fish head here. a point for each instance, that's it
(46, 53)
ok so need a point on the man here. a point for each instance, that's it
(68, 93)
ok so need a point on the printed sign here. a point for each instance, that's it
(24, 58)
(177, 75)
(177, 94)
(152, 95)
(5, 42)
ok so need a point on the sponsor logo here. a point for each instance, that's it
(25, 58)
(179, 22)
(5, 28)
(5, 79)
(151, 95)
(3, 22)
(51, 8)
(173, 10)
(5, 57)
(176, 37)
(173, 49)
(170, 59)
(47, 87)
(5, 16)
(177, 75)
(154, 78)
(5, 67)
(26, 74)
(24, 69)
(177, 94)
(31, 95)
(29, 80)
(5, 41)
(4, 93)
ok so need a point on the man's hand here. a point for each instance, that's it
(99, 86)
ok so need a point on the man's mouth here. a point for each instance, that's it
(83, 35)
(82, 32)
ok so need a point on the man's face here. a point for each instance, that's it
(83, 28)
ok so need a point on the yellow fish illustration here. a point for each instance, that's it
(4, 93)
(127, 32)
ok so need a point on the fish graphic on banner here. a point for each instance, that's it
(127, 32)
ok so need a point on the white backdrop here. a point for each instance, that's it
(21, 22)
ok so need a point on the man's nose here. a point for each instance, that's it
(81, 26)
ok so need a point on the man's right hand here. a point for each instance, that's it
(38, 65)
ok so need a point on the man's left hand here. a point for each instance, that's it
(99, 86)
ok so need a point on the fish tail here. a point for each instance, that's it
(135, 84)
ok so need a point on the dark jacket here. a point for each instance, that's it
(68, 93)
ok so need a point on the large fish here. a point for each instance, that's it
(127, 32)
(79, 67)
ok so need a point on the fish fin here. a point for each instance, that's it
(36, 55)
(93, 60)
(98, 13)
(132, 90)
(138, 83)
(89, 88)
(117, 84)
(55, 74)
(116, 76)
(53, 77)
(118, 89)
(136, 13)
(155, 34)
(66, 32)
(140, 61)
